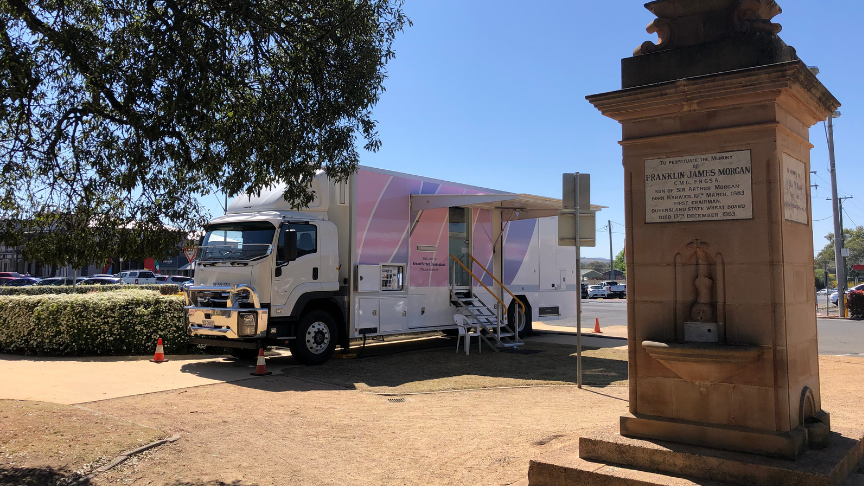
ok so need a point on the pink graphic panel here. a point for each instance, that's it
(370, 186)
(517, 239)
(429, 268)
(383, 217)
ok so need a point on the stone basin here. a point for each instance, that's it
(703, 363)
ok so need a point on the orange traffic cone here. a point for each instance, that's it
(597, 326)
(159, 356)
(261, 367)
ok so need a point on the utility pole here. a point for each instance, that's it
(838, 224)
(827, 280)
(611, 260)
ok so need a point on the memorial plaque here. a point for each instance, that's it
(794, 192)
(710, 187)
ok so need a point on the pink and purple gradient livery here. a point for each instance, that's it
(384, 220)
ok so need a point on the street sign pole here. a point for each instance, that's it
(579, 297)
(576, 197)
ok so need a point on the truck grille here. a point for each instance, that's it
(210, 299)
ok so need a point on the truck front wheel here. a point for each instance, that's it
(316, 339)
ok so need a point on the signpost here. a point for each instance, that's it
(577, 227)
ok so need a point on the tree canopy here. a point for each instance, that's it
(619, 263)
(116, 117)
(854, 242)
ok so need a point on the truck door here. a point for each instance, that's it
(291, 279)
(459, 244)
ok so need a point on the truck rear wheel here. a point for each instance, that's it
(316, 339)
(527, 326)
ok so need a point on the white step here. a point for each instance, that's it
(511, 345)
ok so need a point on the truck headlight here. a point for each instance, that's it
(248, 325)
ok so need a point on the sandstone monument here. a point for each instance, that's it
(723, 356)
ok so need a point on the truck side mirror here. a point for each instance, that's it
(289, 251)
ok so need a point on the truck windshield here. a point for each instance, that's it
(237, 242)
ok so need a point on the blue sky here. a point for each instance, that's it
(492, 93)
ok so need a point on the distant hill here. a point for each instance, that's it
(585, 260)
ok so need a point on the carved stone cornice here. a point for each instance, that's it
(789, 82)
(682, 23)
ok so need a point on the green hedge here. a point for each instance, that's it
(125, 322)
(164, 289)
(855, 302)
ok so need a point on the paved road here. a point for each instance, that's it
(610, 312)
(841, 336)
(836, 336)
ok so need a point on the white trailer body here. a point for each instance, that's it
(375, 255)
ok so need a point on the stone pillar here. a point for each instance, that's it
(721, 310)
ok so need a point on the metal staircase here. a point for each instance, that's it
(493, 324)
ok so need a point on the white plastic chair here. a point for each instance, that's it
(464, 331)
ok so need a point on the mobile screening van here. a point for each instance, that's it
(379, 254)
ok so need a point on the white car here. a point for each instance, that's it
(836, 295)
(138, 277)
(597, 291)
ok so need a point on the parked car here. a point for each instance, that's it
(138, 277)
(61, 281)
(584, 291)
(596, 292)
(614, 289)
(172, 279)
(8, 276)
(105, 275)
(102, 281)
(836, 295)
(22, 282)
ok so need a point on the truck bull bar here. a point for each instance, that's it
(237, 319)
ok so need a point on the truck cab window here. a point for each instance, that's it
(307, 238)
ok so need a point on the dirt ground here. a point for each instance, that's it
(43, 442)
(354, 422)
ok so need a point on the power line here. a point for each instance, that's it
(850, 219)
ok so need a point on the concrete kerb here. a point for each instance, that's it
(585, 334)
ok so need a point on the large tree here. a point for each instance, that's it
(120, 115)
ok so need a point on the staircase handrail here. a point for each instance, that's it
(503, 306)
(499, 283)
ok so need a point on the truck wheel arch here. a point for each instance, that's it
(327, 302)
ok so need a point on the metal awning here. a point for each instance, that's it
(526, 206)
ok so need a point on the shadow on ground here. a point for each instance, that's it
(432, 364)
(45, 476)
(36, 476)
(211, 483)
